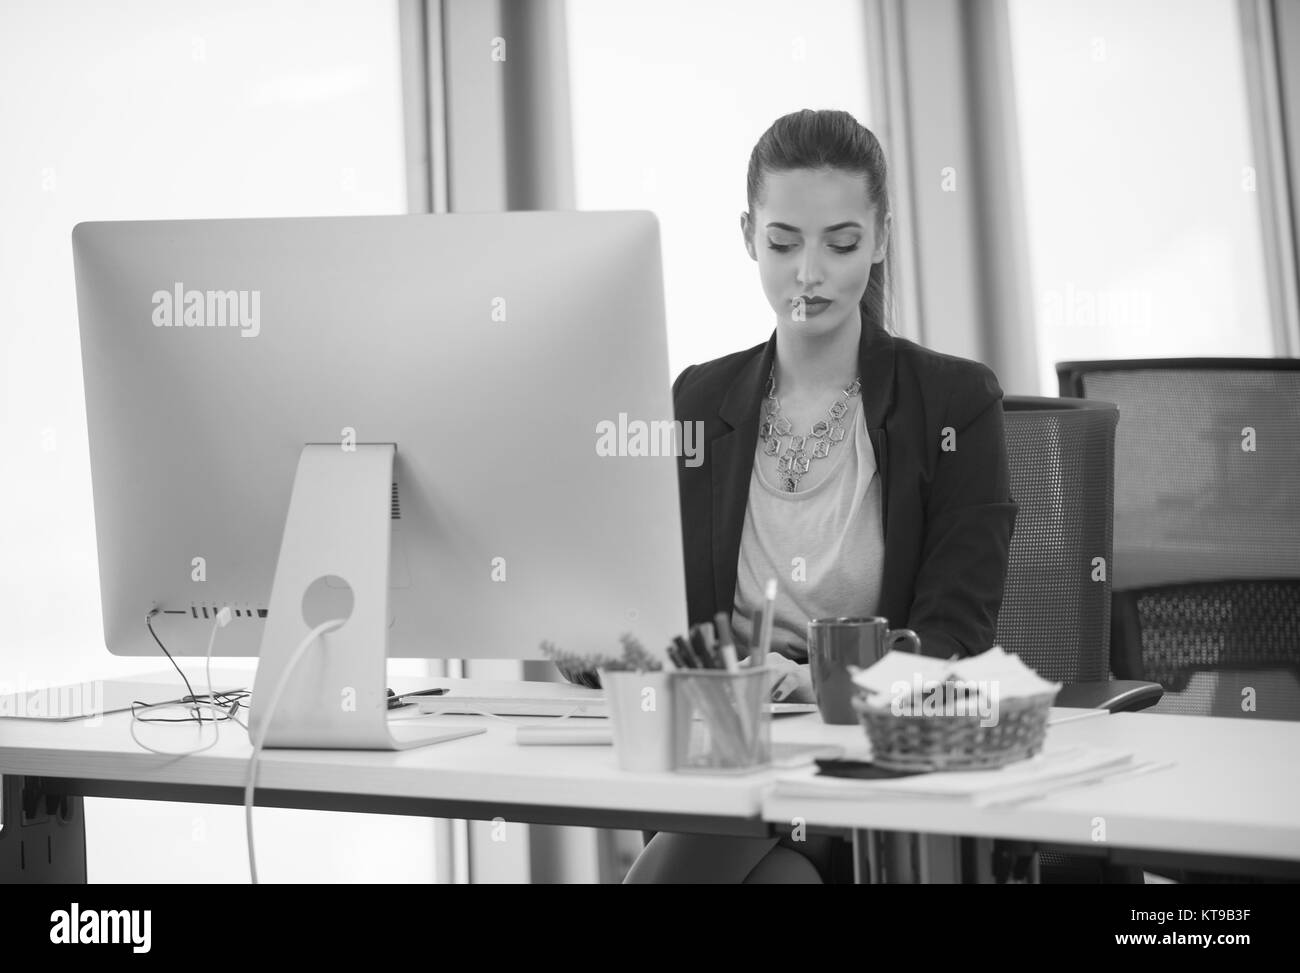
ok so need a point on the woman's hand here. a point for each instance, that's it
(792, 682)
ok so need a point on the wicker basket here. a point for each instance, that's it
(942, 742)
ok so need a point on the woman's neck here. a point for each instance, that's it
(808, 366)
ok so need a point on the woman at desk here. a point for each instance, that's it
(865, 472)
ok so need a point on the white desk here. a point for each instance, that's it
(1233, 794)
(479, 777)
(489, 775)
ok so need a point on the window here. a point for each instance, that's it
(1144, 225)
(669, 97)
(157, 110)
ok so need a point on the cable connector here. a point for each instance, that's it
(224, 616)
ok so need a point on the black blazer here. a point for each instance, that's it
(947, 513)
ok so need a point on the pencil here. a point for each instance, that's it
(727, 649)
(769, 610)
(755, 625)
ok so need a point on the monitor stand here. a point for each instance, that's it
(334, 564)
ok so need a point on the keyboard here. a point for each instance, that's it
(577, 706)
(584, 706)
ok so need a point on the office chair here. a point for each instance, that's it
(1055, 610)
(1056, 601)
(1207, 566)
(1206, 594)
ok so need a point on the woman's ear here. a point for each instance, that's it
(746, 231)
(882, 245)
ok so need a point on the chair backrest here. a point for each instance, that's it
(1219, 648)
(1207, 528)
(1056, 603)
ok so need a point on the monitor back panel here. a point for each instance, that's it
(498, 351)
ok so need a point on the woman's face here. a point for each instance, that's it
(815, 236)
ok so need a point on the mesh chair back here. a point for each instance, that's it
(1207, 527)
(1207, 467)
(1056, 603)
(1226, 648)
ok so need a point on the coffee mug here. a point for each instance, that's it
(836, 643)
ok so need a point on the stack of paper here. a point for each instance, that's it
(1049, 770)
(907, 682)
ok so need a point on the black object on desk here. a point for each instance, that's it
(397, 702)
(858, 769)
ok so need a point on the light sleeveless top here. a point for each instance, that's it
(824, 546)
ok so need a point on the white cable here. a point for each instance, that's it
(271, 703)
(223, 619)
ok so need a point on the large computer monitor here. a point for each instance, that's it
(516, 363)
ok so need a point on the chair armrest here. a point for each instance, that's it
(1114, 696)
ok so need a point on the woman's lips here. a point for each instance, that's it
(811, 308)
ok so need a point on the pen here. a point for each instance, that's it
(724, 716)
(701, 647)
(725, 641)
(727, 650)
(684, 650)
(711, 647)
(704, 634)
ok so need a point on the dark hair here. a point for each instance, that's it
(829, 139)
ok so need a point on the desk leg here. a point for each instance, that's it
(42, 837)
(905, 858)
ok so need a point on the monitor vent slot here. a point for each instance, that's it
(209, 612)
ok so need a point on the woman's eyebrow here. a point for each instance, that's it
(829, 229)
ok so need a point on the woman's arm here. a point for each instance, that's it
(969, 517)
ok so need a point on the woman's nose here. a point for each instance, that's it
(810, 271)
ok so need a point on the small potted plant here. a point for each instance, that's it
(639, 700)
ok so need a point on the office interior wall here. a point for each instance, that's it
(158, 110)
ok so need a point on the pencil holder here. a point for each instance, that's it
(640, 714)
(720, 724)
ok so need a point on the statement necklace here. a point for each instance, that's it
(800, 451)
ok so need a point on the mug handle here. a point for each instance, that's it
(905, 635)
